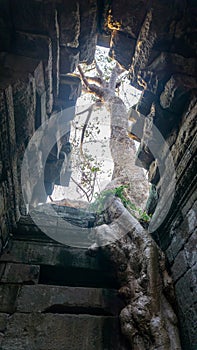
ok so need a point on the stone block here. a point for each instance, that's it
(191, 249)
(69, 23)
(145, 102)
(173, 63)
(2, 269)
(185, 144)
(153, 174)
(155, 30)
(6, 29)
(191, 325)
(175, 94)
(188, 324)
(16, 67)
(186, 289)
(123, 16)
(60, 299)
(9, 171)
(53, 331)
(24, 97)
(180, 265)
(31, 45)
(163, 120)
(121, 42)
(33, 16)
(3, 321)
(169, 255)
(135, 125)
(20, 273)
(8, 295)
(88, 30)
(69, 59)
(70, 87)
(178, 239)
(144, 157)
(191, 218)
(50, 254)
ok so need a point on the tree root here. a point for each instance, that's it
(148, 320)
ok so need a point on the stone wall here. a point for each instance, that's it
(42, 41)
(37, 50)
(163, 49)
(55, 296)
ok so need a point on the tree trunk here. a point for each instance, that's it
(121, 146)
(123, 154)
(148, 320)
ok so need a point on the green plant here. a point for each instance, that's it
(119, 192)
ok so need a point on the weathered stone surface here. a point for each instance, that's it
(144, 157)
(69, 90)
(40, 83)
(175, 94)
(145, 102)
(152, 200)
(66, 225)
(8, 179)
(24, 98)
(60, 331)
(46, 299)
(69, 22)
(188, 327)
(187, 133)
(14, 67)
(69, 59)
(153, 32)
(135, 125)
(181, 235)
(8, 294)
(186, 289)
(121, 42)
(191, 249)
(88, 30)
(3, 321)
(6, 29)
(50, 254)
(180, 265)
(119, 19)
(28, 44)
(20, 273)
(161, 120)
(33, 16)
(172, 63)
(153, 174)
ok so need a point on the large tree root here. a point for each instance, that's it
(148, 320)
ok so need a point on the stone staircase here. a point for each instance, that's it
(56, 297)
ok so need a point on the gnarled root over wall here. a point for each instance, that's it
(148, 320)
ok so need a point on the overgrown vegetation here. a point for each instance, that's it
(119, 192)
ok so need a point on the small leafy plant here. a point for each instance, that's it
(119, 192)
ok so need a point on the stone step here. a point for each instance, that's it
(19, 273)
(62, 265)
(43, 253)
(56, 223)
(59, 299)
(63, 332)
